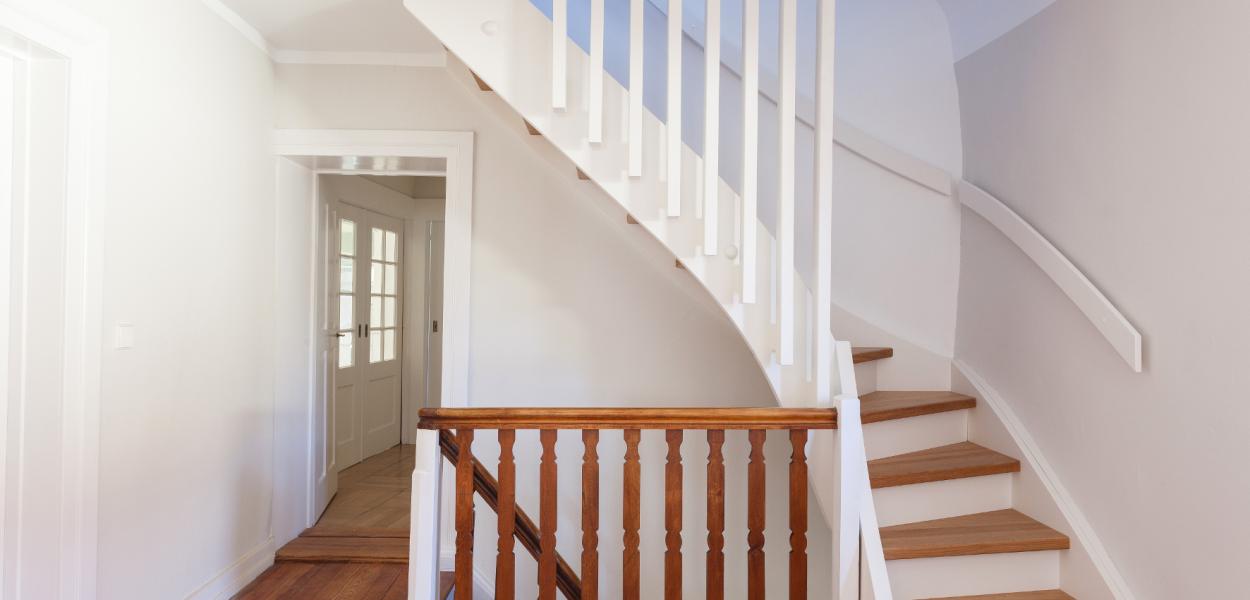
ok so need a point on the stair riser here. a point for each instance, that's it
(866, 377)
(900, 436)
(967, 575)
(941, 499)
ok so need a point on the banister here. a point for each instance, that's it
(526, 531)
(628, 418)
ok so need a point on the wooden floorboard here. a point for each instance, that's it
(328, 581)
(955, 461)
(374, 493)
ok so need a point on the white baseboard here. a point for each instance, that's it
(1081, 527)
(483, 587)
(236, 576)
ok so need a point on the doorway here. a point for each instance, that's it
(386, 325)
(317, 173)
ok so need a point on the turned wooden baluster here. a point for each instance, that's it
(505, 563)
(464, 515)
(672, 516)
(547, 518)
(630, 518)
(590, 515)
(798, 514)
(755, 516)
(715, 515)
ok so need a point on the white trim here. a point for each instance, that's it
(457, 148)
(890, 158)
(235, 577)
(1081, 528)
(387, 59)
(228, 15)
(1121, 334)
(84, 45)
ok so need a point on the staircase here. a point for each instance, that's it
(942, 505)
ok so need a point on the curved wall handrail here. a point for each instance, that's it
(891, 159)
(1121, 334)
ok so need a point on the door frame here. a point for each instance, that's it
(456, 147)
(83, 45)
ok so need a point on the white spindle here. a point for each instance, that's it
(711, 130)
(559, 54)
(635, 87)
(672, 125)
(824, 197)
(785, 164)
(595, 132)
(750, 143)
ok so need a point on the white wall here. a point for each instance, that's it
(1127, 150)
(186, 437)
(567, 308)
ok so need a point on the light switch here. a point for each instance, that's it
(124, 336)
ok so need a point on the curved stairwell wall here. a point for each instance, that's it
(1127, 150)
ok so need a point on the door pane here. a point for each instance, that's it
(377, 244)
(346, 318)
(375, 278)
(389, 312)
(375, 347)
(375, 312)
(347, 270)
(391, 250)
(347, 237)
(345, 351)
(390, 279)
(388, 343)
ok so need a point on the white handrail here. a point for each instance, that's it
(857, 533)
(1121, 334)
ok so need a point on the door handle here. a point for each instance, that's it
(435, 330)
(338, 334)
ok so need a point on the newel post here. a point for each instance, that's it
(424, 533)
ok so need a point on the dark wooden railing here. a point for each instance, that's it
(551, 569)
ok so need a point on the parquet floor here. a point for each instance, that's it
(358, 549)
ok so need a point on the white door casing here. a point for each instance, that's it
(434, 315)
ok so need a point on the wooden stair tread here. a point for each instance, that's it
(345, 549)
(446, 581)
(956, 461)
(870, 353)
(885, 406)
(1039, 595)
(365, 532)
(995, 532)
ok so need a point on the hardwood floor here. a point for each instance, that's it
(358, 550)
(374, 494)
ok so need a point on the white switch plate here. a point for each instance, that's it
(124, 336)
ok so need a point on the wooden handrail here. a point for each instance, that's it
(628, 418)
(526, 531)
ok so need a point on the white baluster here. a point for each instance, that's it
(750, 146)
(635, 87)
(559, 54)
(673, 122)
(711, 130)
(785, 191)
(595, 131)
(824, 196)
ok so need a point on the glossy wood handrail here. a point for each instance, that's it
(526, 531)
(628, 418)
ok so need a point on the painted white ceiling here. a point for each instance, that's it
(337, 25)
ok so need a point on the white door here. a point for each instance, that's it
(349, 287)
(368, 303)
(380, 418)
(329, 245)
(434, 317)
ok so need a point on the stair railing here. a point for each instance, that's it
(797, 423)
